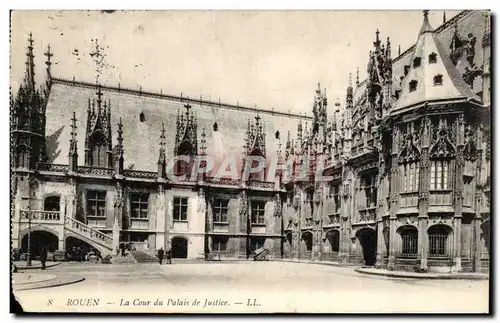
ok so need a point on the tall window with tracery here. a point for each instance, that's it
(411, 176)
(98, 150)
(370, 188)
(439, 175)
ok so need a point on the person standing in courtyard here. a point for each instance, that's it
(43, 256)
(161, 253)
(169, 256)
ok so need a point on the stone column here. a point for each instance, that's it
(16, 218)
(458, 197)
(161, 218)
(423, 205)
(117, 216)
(380, 214)
(395, 183)
(65, 208)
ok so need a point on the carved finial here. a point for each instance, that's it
(203, 141)
(49, 55)
(349, 81)
(357, 75)
(188, 108)
(73, 126)
(426, 13)
(399, 50)
(444, 17)
(30, 65)
(99, 97)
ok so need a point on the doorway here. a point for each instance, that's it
(179, 247)
(368, 240)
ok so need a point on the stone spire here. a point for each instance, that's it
(98, 133)
(29, 77)
(73, 148)
(119, 153)
(162, 158)
(186, 138)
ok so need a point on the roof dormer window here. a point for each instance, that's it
(438, 79)
(432, 58)
(407, 68)
(413, 85)
(416, 62)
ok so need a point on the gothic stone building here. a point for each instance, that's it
(404, 164)
(408, 157)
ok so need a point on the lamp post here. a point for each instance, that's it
(31, 182)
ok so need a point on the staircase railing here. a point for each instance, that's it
(39, 215)
(89, 232)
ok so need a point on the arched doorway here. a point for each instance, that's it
(288, 246)
(368, 239)
(52, 203)
(179, 247)
(77, 249)
(333, 238)
(39, 239)
(307, 244)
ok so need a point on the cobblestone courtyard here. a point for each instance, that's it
(249, 287)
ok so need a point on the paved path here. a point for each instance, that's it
(274, 286)
(35, 264)
(409, 274)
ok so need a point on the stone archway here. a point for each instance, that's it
(333, 239)
(77, 248)
(368, 240)
(39, 239)
(179, 247)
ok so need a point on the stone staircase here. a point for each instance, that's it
(127, 259)
(95, 238)
(144, 257)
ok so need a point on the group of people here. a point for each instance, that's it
(123, 248)
(162, 254)
(80, 254)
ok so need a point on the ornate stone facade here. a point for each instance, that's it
(398, 177)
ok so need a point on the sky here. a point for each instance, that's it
(268, 59)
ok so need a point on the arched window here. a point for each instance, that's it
(257, 161)
(183, 167)
(438, 240)
(333, 238)
(308, 240)
(413, 85)
(409, 238)
(432, 58)
(416, 62)
(52, 203)
(438, 79)
(439, 175)
(22, 158)
(99, 150)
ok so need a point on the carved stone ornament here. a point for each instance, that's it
(118, 201)
(443, 146)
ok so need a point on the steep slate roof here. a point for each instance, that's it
(452, 87)
(142, 139)
(466, 22)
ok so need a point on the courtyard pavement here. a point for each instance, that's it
(249, 287)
